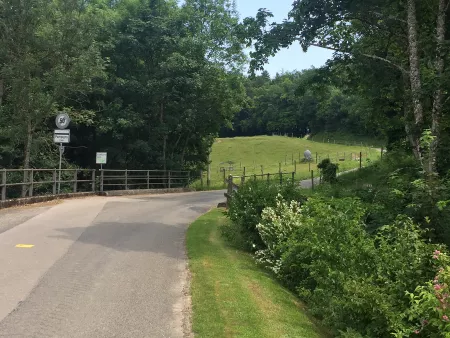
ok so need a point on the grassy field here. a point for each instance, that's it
(232, 297)
(264, 154)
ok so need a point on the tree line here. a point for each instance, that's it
(300, 103)
(148, 81)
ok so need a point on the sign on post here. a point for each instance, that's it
(61, 136)
(101, 158)
(62, 121)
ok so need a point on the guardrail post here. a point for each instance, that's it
(75, 180)
(30, 193)
(4, 184)
(93, 180)
(54, 181)
(169, 179)
(102, 178)
(148, 179)
(126, 179)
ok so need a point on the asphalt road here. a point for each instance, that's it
(98, 267)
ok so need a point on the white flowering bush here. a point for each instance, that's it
(276, 227)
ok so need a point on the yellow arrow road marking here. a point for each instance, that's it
(25, 246)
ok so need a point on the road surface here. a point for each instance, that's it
(98, 267)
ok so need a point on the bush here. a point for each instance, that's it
(248, 203)
(354, 281)
(329, 170)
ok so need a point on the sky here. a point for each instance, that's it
(292, 58)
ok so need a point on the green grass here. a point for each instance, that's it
(232, 297)
(263, 154)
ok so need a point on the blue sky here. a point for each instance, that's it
(286, 59)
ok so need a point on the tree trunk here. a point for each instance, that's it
(183, 153)
(438, 95)
(27, 156)
(414, 78)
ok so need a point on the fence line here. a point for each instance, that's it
(21, 183)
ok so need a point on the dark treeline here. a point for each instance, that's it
(302, 103)
(150, 82)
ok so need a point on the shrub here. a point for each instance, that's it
(250, 200)
(354, 281)
(329, 170)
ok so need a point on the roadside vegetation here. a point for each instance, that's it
(232, 296)
(367, 253)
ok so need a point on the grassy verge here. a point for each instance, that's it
(232, 297)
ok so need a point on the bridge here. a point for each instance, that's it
(98, 266)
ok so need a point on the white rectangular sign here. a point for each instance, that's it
(101, 158)
(62, 136)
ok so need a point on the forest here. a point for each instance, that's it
(149, 82)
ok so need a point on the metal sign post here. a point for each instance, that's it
(61, 151)
(61, 136)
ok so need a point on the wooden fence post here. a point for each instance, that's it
(293, 178)
(93, 180)
(312, 179)
(54, 181)
(317, 158)
(75, 180)
(268, 178)
(360, 159)
(102, 178)
(229, 189)
(208, 177)
(281, 178)
(4, 184)
(31, 183)
(295, 166)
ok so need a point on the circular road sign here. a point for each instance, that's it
(62, 121)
